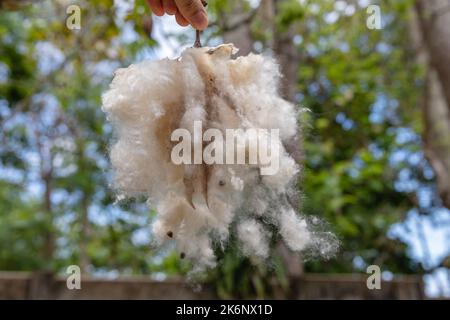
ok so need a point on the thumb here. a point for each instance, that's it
(194, 12)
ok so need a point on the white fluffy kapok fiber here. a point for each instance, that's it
(198, 204)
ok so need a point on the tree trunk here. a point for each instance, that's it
(84, 235)
(436, 135)
(434, 18)
(49, 238)
(433, 22)
(237, 30)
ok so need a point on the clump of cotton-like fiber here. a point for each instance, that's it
(204, 138)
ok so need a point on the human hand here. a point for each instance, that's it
(186, 11)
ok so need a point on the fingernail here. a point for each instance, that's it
(199, 20)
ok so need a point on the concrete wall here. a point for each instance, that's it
(15, 285)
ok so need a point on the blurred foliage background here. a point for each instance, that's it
(375, 121)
